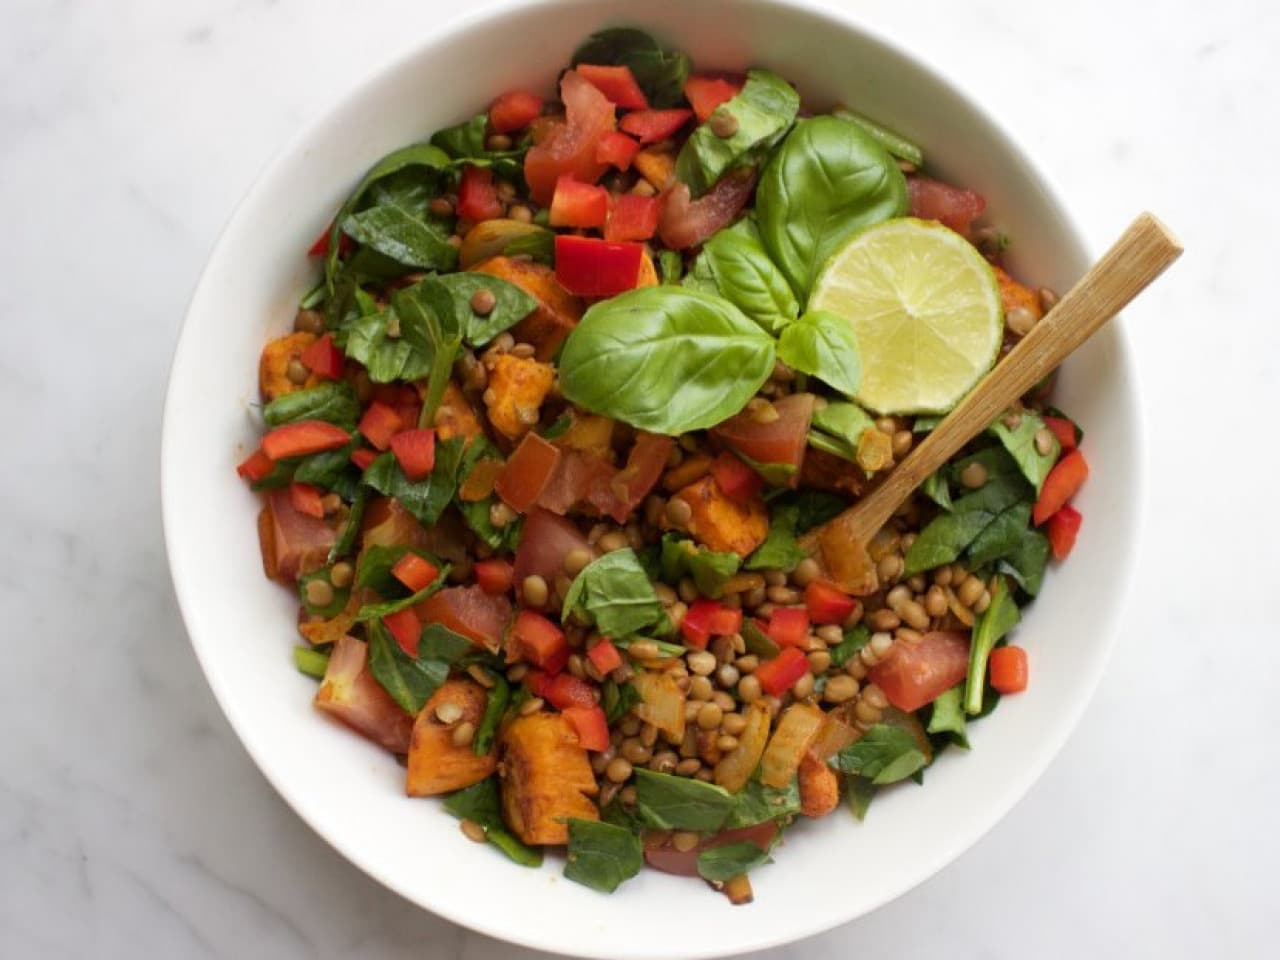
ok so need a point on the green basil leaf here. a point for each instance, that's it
(884, 754)
(408, 239)
(822, 345)
(314, 663)
(601, 855)
(660, 73)
(511, 305)
(665, 359)
(855, 638)
(481, 804)
(426, 499)
(333, 402)
(1021, 444)
(860, 791)
(668, 802)
(837, 428)
(896, 144)
(827, 181)
(410, 681)
(330, 609)
(616, 595)
(728, 860)
(947, 536)
(756, 803)
(734, 264)
(781, 548)
(947, 716)
(991, 626)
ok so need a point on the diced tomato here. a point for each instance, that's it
(320, 247)
(527, 472)
(292, 542)
(535, 639)
(951, 206)
(782, 441)
(1064, 430)
(570, 147)
(1062, 529)
(705, 93)
(650, 126)
(255, 466)
(685, 222)
(379, 424)
(415, 572)
(545, 541)
(323, 358)
(660, 854)
(350, 693)
(913, 674)
(616, 83)
(738, 481)
(494, 576)
(619, 493)
(415, 451)
(363, 457)
(305, 498)
(578, 204)
(617, 150)
(591, 726)
(1063, 482)
(536, 682)
(597, 268)
(789, 627)
(514, 110)
(780, 674)
(576, 474)
(633, 217)
(406, 628)
(566, 690)
(1008, 669)
(303, 437)
(827, 603)
(478, 195)
(604, 656)
(468, 611)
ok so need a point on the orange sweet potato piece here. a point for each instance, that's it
(819, 788)
(546, 778)
(455, 416)
(648, 276)
(558, 310)
(436, 764)
(1013, 294)
(588, 433)
(273, 366)
(518, 385)
(657, 165)
(721, 523)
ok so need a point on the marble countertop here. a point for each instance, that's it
(132, 823)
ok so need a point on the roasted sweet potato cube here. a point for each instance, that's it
(455, 416)
(518, 385)
(819, 787)
(273, 366)
(1013, 294)
(657, 165)
(436, 764)
(558, 310)
(546, 778)
(721, 523)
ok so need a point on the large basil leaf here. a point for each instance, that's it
(426, 499)
(403, 236)
(822, 345)
(728, 860)
(602, 855)
(665, 359)
(617, 596)
(827, 181)
(1021, 444)
(734, 264)
(660, 73)
(765, 108)
(481, 804)
(992, 624)
(946, 537)
(668, 802)
(884, 754)
(334, 402)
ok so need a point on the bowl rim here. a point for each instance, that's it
(1017, 784)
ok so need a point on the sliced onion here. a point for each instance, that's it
(797, 728)
(736, 767)
(661, 702)
(833, 736)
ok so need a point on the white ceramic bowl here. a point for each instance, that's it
(242, 626)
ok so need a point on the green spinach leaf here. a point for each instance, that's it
(370, 341)
(855, 638)
(861, 791)
(781, 548)
(330, 609)
(670, 266)
(936, 489)
(733, 263)
(617, 699)
(1020, 441)
(896, 144)
(756, 803)
(727, 861)
(426, 499)
(660, 73)
(373, 569)
(511, 305)
(465, 139)
(884, 754)
(709, 569)
(404, 237)
(495, 706)
(822, 345)
(668, 802)
(375, 611)
(992, 624)
(616, 595)
(947, 535)
(334, 402)
(347, 538)
(480, 803)
(1027, 560)
(947, 716)
(410, 681)
(602, 855)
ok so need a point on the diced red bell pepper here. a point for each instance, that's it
(597, 268)
(617, 149)
(827, 603)
(255, 466)
(578, 204)
(514, 110)
(1062, 529)
(379, 424)
(789, 626)
(321, 246)
(738, 481)
(323, 358)
(535, 639)
(633, 217)
(406, 628)
(1008, 666)
(709, 618)
(400, 397)
(1064, 430)
(305, 498)
(527, 472)
(415, 572)
(303, 437)
(363, 457)
(780, 674)
(478, 195)
(591, 725)
(706, 93)
(494, 576)
(726, 621)
(565, 690)
(1063, 482)
(650, 126)
(618, 84)
(604, 656)
(415, 451)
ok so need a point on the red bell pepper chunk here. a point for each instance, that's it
(1008, 666)
(305, 498)
(363, 457)
(321, 246)
(650, 126)
(1065, 431)
(494, 576)
(406, 628)
(255, 466)
(478, 195)
(618, 84)
(303, 437)
(514, 110)
(597, 268)
(780, 674)
(536, 681)
(565, 690)
(827, 603)
(379, 424)
(415, 572)
(527, 473)
(578, 204)
(535, 639)
(708, 618)
(415, 451)
(604, 656)
(617, 149)
(1063, 482)
(726, 621)
(738, 481)
(633, 217)
(591, 726)
(789, 626)
(323, 358)
(706, 93)
(1062, 529)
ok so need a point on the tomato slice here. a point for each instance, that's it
(782, 441)
(514, 110)
(351, 694)
(950, 206)
(625, 490)
(661, 855)
(705, 93)
(296, 542)
(617, 83)
(527, 472)
(686, 222)
(633, 218)
(913, 674)
(469, 611)
(545, 540)
(570, 147)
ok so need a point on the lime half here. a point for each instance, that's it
(925, 307)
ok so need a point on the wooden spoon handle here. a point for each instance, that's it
(1141, 254)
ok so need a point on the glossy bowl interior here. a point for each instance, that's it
(242, 626)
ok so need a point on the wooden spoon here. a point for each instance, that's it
(1141, 254)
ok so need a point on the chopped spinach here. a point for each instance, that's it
(617, 699)
(480, 803)
(860, 790)
(511, 305)
(781, 548)
(347, 538)
(1020, 441)
(946, 716)
(884, 754)
(410, 680)
(855, 638)
(668, 802)
(756, 803)
(729, 860)
(333, 402)
(427, 498)
(616, 595)
(495, 705)
(602, 855)
(991, 626)
(661, 73)
(330, 609)
(949, 534)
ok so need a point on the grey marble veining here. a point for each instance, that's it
(131, 821)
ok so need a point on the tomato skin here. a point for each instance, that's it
(913, 674)
(705, 93)
(570, 147)
(351, 694)
(597, 268)
(633, 217)
(469, 611)
(950, 206)
(527, 472)
(650, 126)
(545, 540)
(514, 110)
(617, 83)
(379, 424)
(784, 441)
(1062, 529)
(578, 204)
(305, 498)
(1063, 482)
(686, 222)
(1008, 669)
(662, 856)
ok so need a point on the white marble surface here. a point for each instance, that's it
(131, 821)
